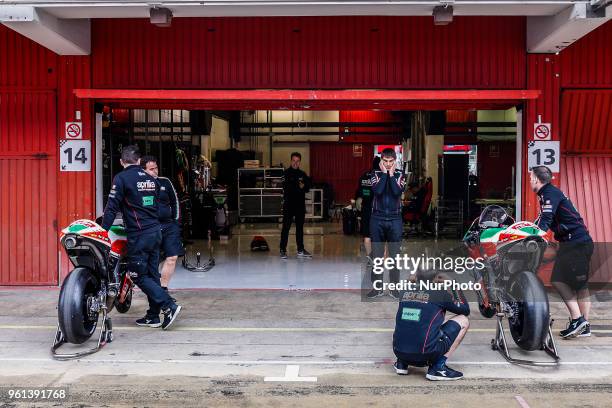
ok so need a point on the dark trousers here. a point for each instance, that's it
(143, 265)
(288, 216)
(389, 231)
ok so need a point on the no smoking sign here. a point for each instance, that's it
(74, 130)
(541, 131)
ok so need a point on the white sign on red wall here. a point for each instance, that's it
(542, 131)
(74, 130)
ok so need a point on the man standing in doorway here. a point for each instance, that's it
(169, 217)
(388, 184)
(295, 186)
(571, 271)
(135, 194)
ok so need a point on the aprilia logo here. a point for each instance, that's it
(145, 185)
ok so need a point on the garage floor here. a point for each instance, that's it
(336, 262)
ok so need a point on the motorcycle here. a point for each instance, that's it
(98, 282)
(512, 253)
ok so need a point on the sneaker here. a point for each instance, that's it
(401, 368)
(574, 327)
(170, 315)
(304, 254)
(586, 332)
(394, 294)
(149, 321)
(445, 373)
(374, 293)
(283, 254)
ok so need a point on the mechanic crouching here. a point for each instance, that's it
(422, 337)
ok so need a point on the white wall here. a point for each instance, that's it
(281, 153)
(434, 145)
(281, 148)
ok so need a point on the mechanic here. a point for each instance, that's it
(295, 186)
(422, 337)
(570, 274)
(388, 184)
(169, 218)
(364, 191)
(135, 194)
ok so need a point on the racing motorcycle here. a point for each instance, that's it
(510, 288)
(98, 282)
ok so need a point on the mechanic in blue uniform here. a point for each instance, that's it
(364, 191)
(388, 184)
(422, 337)
(570, 274)
(135, 194)
(169, 217)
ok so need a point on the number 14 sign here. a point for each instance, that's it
(75, 155)
(544, 154)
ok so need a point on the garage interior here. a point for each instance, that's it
(227, 167)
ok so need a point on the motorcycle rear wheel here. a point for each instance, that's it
(75, 322)
(529, 325)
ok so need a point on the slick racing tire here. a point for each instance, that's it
(529, 324)
(75, 322)
(125, 305)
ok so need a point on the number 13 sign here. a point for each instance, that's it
(75, 155)
(544, 154)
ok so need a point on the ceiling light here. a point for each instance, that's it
(160, 16)
(443, 15)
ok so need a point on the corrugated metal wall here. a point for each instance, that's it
(75, 190)
(23, 63)
(588, 62)
(543, 72)
(310, 52)
(587, 121)
(28, 203)
(335, 164)
(587, 181)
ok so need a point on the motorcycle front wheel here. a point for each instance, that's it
(530, 317)
(76, 321)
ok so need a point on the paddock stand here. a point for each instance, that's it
(500, 344)
(199, 266)
(106, 336)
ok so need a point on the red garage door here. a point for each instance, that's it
(28, 203)
(586, 166)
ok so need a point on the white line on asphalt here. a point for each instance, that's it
(258, 329)
(522, 402)
(291, 375)
(284, 362)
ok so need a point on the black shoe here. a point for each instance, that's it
(586, 332)
(574, 327)
(444, 373)
(374, 293)
(149, 321)
(283, 254)
(394, 294)
(304, 254)
(170, 315)
(401, 368)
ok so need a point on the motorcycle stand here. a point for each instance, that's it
(500, 344)
(106, 336)
(199, 266)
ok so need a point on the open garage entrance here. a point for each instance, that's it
(225, 152)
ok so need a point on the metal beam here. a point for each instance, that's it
(64, 37)
(554, 33)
